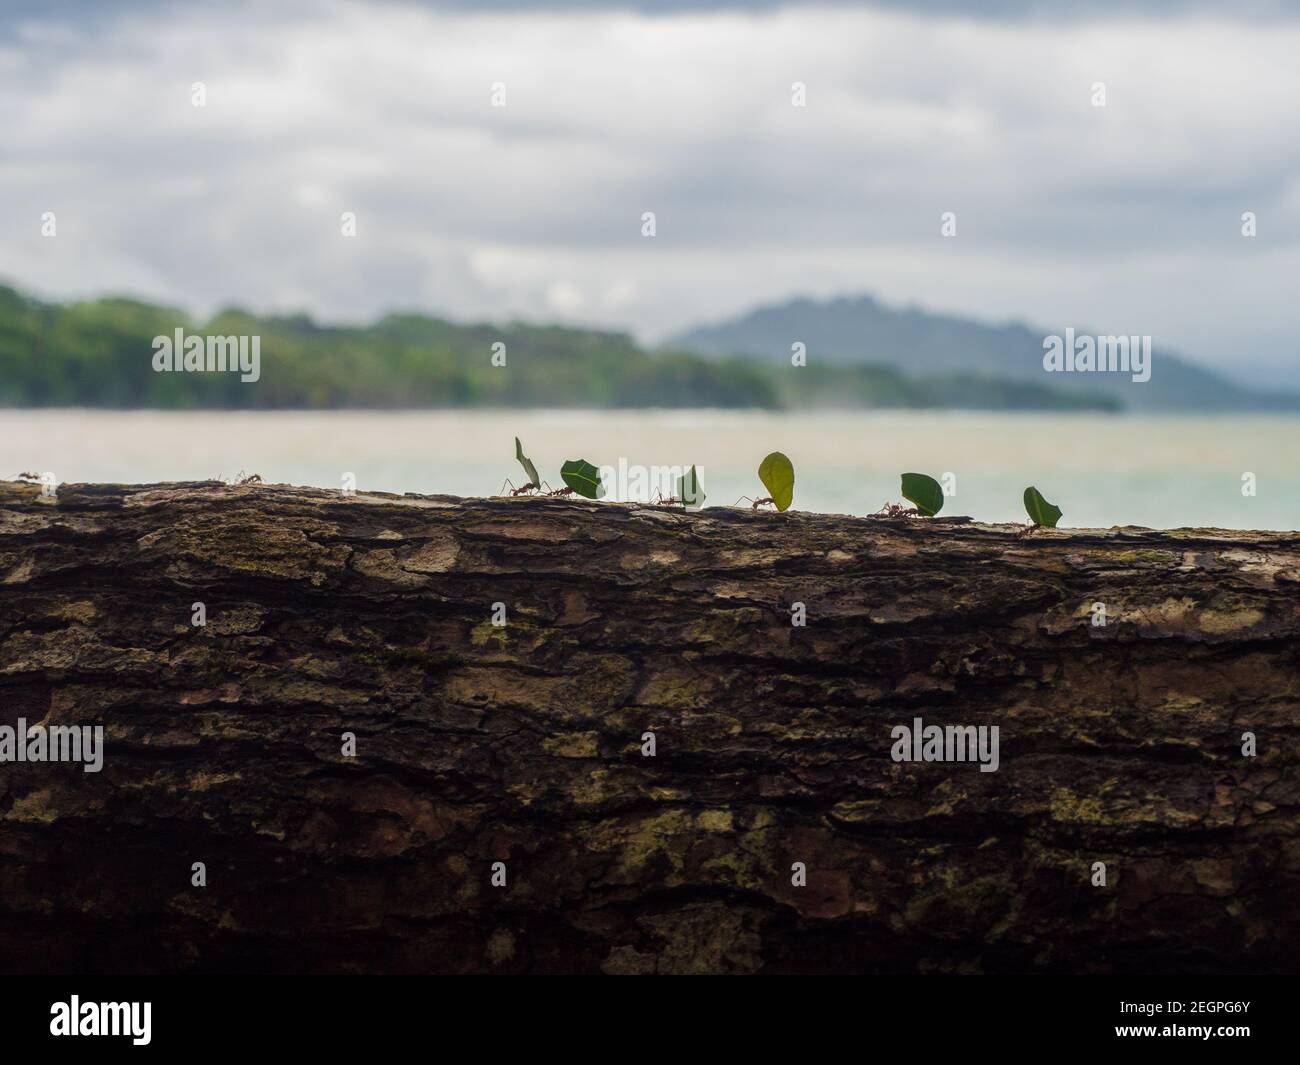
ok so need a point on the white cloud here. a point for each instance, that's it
(1124, 217)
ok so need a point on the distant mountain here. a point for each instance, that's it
(860, 330)
(101, 353)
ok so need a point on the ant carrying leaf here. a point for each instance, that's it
(1042, 514)
(777, 474)
(580, 477)
(689, 492)
(922, 490)
(533, 484)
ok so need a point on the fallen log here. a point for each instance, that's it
(429, 734)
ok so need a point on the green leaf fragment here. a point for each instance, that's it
(924, 492)
(1040, 511)
(527, 464)
(689, 490)
(777, 474)
(583, 478)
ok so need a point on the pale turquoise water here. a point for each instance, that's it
(1101, 470)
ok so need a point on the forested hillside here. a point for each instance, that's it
(100, 353)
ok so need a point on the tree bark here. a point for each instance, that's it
(523, 743)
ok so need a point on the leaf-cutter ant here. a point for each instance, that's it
(896, 510)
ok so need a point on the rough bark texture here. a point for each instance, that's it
(372, 615)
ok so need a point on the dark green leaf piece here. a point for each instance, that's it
(689, 490)
(924, 492)
(583, 478)
(1040, 511)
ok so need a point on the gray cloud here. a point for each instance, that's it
(1125, 217)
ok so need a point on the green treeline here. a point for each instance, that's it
(99, 354)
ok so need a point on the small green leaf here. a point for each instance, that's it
(924, 491)
(1040, 511)
(777, 474)
(527, 464)
(689, 490)
(583, 478)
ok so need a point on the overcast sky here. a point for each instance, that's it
(1125, 218)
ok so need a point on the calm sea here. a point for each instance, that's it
(1101, 470)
